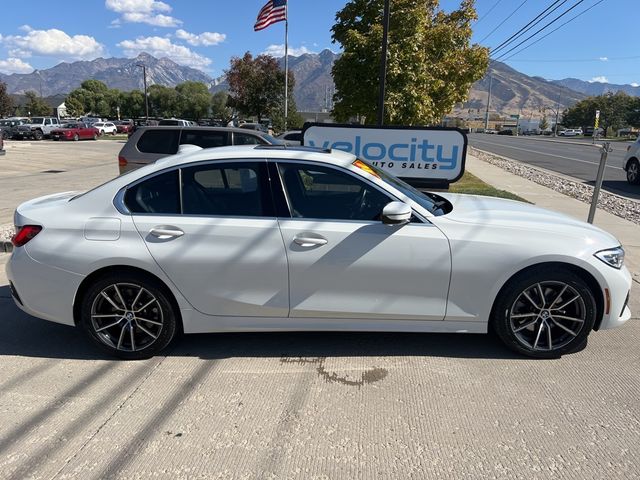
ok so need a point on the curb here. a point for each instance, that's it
(6, 247)
(569, 142)
(551, 172)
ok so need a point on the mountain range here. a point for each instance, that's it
(511, 91)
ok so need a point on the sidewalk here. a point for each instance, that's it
(627, 232)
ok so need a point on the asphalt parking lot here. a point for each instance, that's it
(299, 405)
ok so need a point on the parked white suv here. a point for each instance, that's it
(106, 127)
(631, 163)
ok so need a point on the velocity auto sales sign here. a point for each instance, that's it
(428, 156)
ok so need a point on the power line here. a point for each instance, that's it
(572, 60)
(502, 22)
(488, 12)
(540, 30)
(531, 24)
(558, 28)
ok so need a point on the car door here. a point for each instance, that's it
(213, 231)
(345, 263)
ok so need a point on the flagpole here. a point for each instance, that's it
(286, 64)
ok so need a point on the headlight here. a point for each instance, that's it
(613, 257)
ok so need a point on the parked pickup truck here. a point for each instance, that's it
(37, 129)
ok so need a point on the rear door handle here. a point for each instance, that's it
(164, 232)
(306, 241)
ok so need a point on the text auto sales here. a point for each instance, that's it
(402, 155)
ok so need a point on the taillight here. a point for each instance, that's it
(122, 162)
(24, 234)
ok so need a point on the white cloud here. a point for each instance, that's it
(635, 84)
(603, 59)
(162, 47)
(142, 11)
(15, 65)
(599, 79)
(53, 43)
(206, 38)
(278, 51)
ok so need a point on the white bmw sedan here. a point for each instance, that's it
(272, 238)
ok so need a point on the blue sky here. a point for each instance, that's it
(205, 33)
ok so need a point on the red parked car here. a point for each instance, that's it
(75, 131)
(124, 127)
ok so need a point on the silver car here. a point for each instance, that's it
(148, 144)
(631, 163)
(274, 238)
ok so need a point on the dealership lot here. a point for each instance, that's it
(299, 405)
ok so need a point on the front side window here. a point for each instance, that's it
(232, 189)
(159, 195)
(328, 193)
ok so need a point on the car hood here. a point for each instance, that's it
(482, 210)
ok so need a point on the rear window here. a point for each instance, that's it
(163, 141)
(205, 138)
(159, 195)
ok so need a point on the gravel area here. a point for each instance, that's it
(6, 232)
(615, 204)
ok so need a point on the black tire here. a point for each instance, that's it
(76, 137)
(38, 135)
(160, 318)
(633, 172)
(529, 330)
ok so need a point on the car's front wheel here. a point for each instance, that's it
(633, 172)
(545, 313)
(129, 316)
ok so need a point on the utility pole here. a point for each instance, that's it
(555, 126)
(486, 116)
(383, 62)
(146, 97)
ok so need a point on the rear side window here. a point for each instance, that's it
(164, 141)
(205, 138)
(159, 195)
(244, 139)
(233, 189)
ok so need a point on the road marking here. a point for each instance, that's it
(542, 153)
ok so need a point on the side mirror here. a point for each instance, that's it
(396, 213)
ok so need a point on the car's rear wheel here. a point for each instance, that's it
(129, 316)
(633, 172)
(95, 136)
(545, 313)
(38, 135)
(76, 137)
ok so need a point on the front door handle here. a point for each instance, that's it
(306, 241)
(165, 232)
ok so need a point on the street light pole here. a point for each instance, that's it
(486, 116)
(383, 62)
(146, 97)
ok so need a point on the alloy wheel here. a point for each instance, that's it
(127, 317)
(547, 315)
(633, 172)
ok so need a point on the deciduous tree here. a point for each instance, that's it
(194, 99)
(35, 105)
(220, 107)
(431, 63)
(7, 106)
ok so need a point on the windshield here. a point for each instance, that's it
(435, 204)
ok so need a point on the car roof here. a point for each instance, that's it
(333, 157)
(200, 127)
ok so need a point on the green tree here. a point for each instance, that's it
(163, 101)
(220, 107)
(194, 100)
(36, 105)
(544, 124)
(74, 107)
(614, 111)
(431, 64)
(256, 85)
(633, 114)
(132, 105)
(7, 106)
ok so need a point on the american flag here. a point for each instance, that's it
(274, 11)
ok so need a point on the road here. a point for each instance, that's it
(575, 158)
(300, 405)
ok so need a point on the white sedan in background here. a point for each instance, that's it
(271, 238)
(106, 128)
